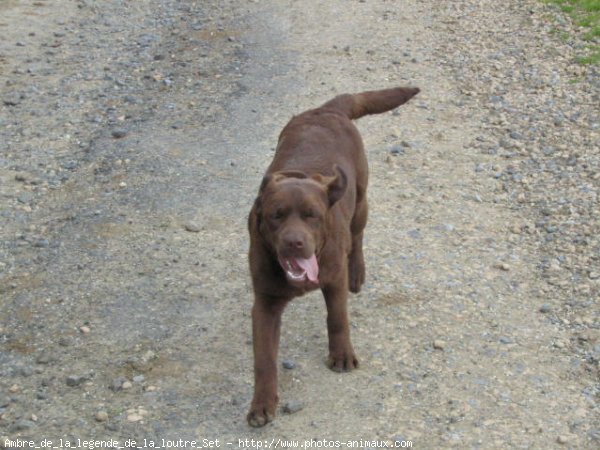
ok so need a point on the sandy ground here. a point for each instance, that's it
(133, 139)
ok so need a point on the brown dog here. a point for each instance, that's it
(306, 230)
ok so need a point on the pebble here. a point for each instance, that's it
(101, 416)
(545, 308)
(119, 133)
(516, 135)
(130, 99)
(22, 177)
(84, 329)
(75, 380)
(4, 401)
(438, 344)
(288, 364)
(400, 441)
(12, 100)
(65, 341)
(25, 371)
(139, 378)
(192, 227)
(134, 417)
(594, 434)
(117, 384)
(70, 165)
(23, 425)
(562, 439)
(292, 407)
(25, 198)
(126, 385)
(397, 150)
(505, 340)
(502, 266)
(41, 243)
(44, 358)
(516, 229)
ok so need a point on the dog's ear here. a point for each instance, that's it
(258, 202)
(258, 206)
(266, 180)
(335, 185)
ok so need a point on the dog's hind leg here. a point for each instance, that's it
(356, 262)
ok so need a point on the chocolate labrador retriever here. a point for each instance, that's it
(306, 230)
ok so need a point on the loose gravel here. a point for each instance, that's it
(133, 137)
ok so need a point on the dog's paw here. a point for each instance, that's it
(342, 361)
(261, 413)
(356, 274)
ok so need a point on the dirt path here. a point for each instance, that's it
(133, 139)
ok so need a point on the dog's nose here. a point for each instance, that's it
(293, 241)
(295, 244)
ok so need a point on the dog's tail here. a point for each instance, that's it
(371, 102)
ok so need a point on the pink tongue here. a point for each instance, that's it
(311, 266)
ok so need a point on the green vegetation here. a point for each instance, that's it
(585, 14)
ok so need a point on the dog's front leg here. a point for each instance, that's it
(266, 325)
(341, 354)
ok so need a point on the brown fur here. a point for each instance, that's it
(312, 201)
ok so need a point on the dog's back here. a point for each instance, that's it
(318, 138)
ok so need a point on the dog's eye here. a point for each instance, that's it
(277, 215)
(309, 214)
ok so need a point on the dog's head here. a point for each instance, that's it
(292, 211)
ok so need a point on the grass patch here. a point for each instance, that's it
(591, 59)
(585, 14)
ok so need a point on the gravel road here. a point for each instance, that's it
(133, 137)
